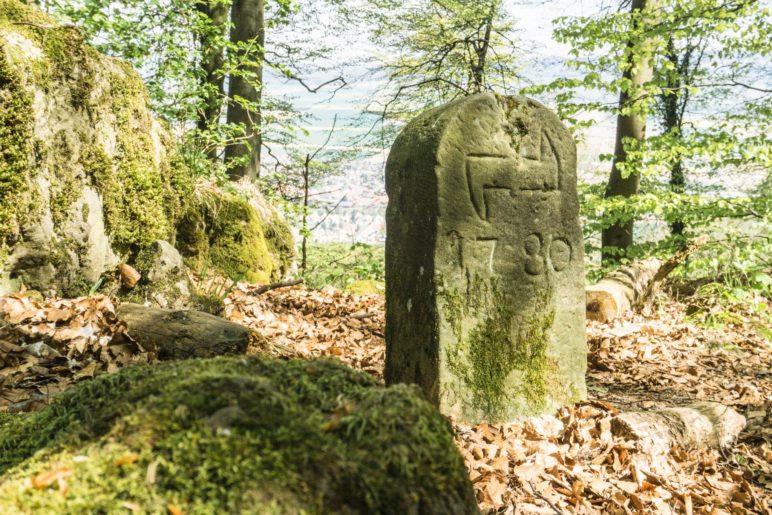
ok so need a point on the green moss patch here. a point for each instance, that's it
(223, 231)
(502, 360)
(246, 435)
(15, 146)
(366, 287)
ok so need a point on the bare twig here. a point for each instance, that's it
(328, 213)
(273, 286)
(543, 498)
(667, 267)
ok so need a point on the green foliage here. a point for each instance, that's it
(341, 265)
(237, 435)
(707, 104)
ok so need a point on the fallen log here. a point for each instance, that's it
(616, 293)
(633, 287)
(174, 334)
(699, 425)
(273, 286)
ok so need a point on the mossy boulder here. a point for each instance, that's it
(238, 233)
(235, 435)
(87, 175)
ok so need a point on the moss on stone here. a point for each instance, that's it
(109, 141)
(366, 287)
(143, 199)
(502, 360)
(225, 232)
(15, 146)
(280, 242)
(246, 435)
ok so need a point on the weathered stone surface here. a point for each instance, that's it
(166, 263)
(484, 260)
(87, 174)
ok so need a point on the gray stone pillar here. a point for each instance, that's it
(484, 260)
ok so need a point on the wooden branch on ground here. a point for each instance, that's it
(634, 286)
(185, 334)
(274, 286)
(646, 298)
(615, 294)
(700, 425)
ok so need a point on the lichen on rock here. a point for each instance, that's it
(236, 435)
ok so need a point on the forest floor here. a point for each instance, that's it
(568, 462)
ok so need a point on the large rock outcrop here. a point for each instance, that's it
(88, 177)
(234, 435)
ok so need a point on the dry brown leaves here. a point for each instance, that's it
(568, 463)
(644, 362)
(571, 463)
(47, 345)
(297, 322)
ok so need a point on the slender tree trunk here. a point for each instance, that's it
(306, 186)
(677, 185)
(248, 30)
(619, 236)
(674, 101)
(212, 64)
(481, 49)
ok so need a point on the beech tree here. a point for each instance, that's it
(245, 87)
(701, 114)
(637, 71)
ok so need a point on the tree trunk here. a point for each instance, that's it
(674, 101)
(212, 66)
(248, 31)
(306, 186)
(677, 185)
(619, 236)
(481, 50)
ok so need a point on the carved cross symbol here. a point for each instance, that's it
(537, 171)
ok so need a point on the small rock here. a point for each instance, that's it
(166, 263)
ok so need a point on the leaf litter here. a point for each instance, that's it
(569, 462)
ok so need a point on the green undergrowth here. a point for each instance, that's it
(235, 435)
(345, 266)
